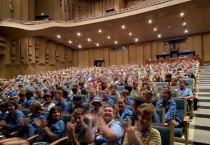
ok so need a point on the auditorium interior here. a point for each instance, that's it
(43, 36)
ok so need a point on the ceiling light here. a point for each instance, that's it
(150, 21)
(97, 44)
(159, 35)
(115, 42)
(185, 31)
(70, 41)
(88, 39)
(181, 14)
(78, 34)
(155, 29)
(184, 23)
(80, 46)
(100, 31)
(58, 36)
(123, 26)
(108, 37)
(130, 33)
(136, 39)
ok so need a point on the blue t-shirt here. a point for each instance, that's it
(117, 128)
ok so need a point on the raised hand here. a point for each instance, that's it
(70, 127)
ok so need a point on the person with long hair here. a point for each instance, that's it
(53, 128)
(12, 120)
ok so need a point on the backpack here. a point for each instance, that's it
(196, 103)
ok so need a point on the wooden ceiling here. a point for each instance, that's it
(165, 17)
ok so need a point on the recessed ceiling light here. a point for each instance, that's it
(78, 34)
(88, 39)
(136, 39)
(130, 33)
(58, 36)
(159, 35)
(184, 23)
(100, 31)
(155, 29)
(97, 44)
(115, 42)
(181, 14)
(123, 26)
(70, 41)
(80, 46)
(185, 31)
(108, 37)
(150, 21)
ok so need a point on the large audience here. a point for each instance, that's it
(96, 100)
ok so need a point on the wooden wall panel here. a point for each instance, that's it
(5, 9)
(160, 48)
(8, 72)
(0, 9)
(31, 51)
(2, 66)
(112, 4)
(167, 48)
(182, 47)
(106, 56)
(91, 57)
(50, 53)
(31, 10)
(17, 9)
(32, 68)
(197, 45)
(125, 57)
(60, 65)
(154, 50)
(140, 54)
(70, 9)
(16, 70)
(25, 69)
(112, 57)
(24, 9)
(81, 58)
(122, 4)
(88, 8)
(104, 6)
(50, 68)
(206, 45)
(42, 49)
(7, 53)
(190, 43)
(118, 57)
(15, 51)
(132, 54)
(60, 50)
(86, 58)
(147, 51)
(40, 68)
(99, 54)
(24, 46)
(100, 7)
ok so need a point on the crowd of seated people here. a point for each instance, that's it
(92, 91)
